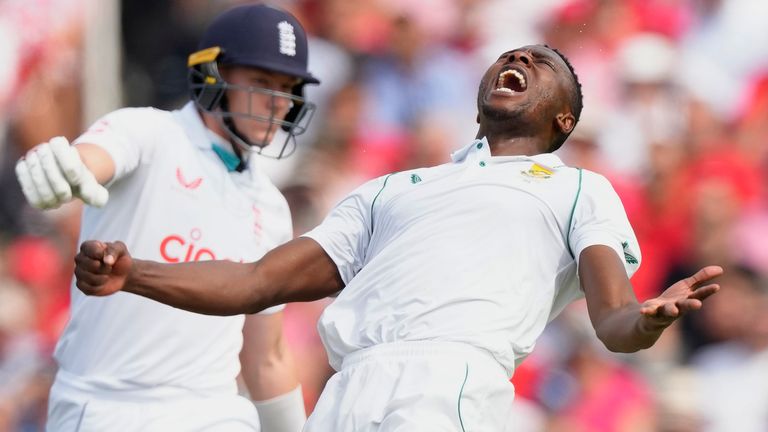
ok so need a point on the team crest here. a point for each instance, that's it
(538, 172)
(287, 38)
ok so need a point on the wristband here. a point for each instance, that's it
(284, 413)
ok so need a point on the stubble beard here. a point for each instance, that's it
(511, 119)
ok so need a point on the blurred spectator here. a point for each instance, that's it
(499, 25)
(726, 45)
(601, 393)
(22, 361)
(589, 33)
(359, 27)
(711, 194)
(677, 407)
(410, 80)
(671, 18)
(648, 112)
(752, 123)
(39, 265)
(40, 96)
(732, 374)
(747, 239)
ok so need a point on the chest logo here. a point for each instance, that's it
(538, 172)
(193, 184)
(175, 248)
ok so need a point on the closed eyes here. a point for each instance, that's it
(546, 62)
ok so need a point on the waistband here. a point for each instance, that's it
(117, 390)
(423, 350)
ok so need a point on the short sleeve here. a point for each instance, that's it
(599, 219)
(346, 231)
(125, 134)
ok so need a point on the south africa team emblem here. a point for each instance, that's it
(538, 172)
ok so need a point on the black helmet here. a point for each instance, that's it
(257, 36)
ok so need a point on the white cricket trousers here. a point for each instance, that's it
(72, 409)
(416, 386)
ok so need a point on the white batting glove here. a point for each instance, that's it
(52, 173)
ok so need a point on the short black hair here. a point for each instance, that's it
(577, 98)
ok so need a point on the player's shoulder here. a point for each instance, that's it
(583, 174)
(268, 192)
(140, 116)
(393, 182)
(592, 182)
(593, 177)
(271, 192)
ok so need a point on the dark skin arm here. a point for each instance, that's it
(623, 324)
(299, 270)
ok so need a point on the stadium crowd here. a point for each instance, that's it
(676, 116)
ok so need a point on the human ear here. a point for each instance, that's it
(565, 122)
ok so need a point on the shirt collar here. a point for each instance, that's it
(230, 160)
(206, 139)
(194, 126)
(479, 149)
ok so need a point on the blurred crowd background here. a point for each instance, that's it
(676, 116)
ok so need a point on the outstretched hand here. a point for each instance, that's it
(680, 298)
(102, 268)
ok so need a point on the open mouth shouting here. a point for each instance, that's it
(511, 81)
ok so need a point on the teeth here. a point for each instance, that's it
(507, 75)
(505, 90)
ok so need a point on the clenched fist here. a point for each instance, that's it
(52, 173)
(102, 268)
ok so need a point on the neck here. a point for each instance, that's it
(215, 126)
(513, 145)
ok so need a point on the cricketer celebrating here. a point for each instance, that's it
(444, 276)
(182, 186)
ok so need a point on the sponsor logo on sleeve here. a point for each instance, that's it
(628, 257)
(99, 127)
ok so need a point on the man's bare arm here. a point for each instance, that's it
(621, 323)
(299, 270)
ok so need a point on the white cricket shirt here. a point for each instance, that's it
(171, 200)
(479, 251)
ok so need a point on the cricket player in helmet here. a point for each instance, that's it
(232, 42)
(181, 186)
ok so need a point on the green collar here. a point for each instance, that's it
(231, 160)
